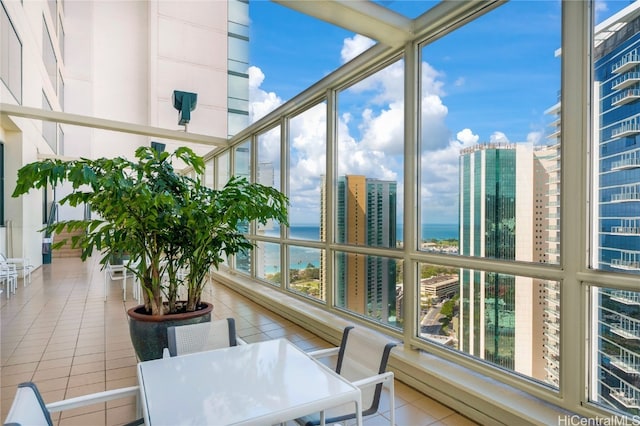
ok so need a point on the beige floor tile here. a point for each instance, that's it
(22, 358)
(55, 354)
(121, 415)
(28, 367)
(80, 417)
(53, 384)
(89, 358)
(89, 367)
(432, 407)
(55, 363)
(72, 392)
(121, 362)
(51, 373)
(15, 379)
(122, 373)
(86, 379)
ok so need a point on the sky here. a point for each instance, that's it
(490, 81)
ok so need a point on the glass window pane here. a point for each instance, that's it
(510, 321)
(239, 11)
(305, 274)
(49, 56)
(208, 177)
(268, 262)
(307, 151)
(369, 286)
(238, 87)
(490, 142)
(242, 166)
(222, 169)
(238, 49)
(237, 122)
(269, 171)
(615, 356)
(10, 56)
(370, 160)
(49, 128)
(615, 222)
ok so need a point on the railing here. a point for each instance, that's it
(628, 327)
(629, 265)
(629, 127)
(627, 361)
(625, 80)
(627, 226)
(626, 162)
(628, 193)
(626, 96)
(626, 297)
(628, 61)
(626, 396)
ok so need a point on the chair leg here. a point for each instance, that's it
(392, 402)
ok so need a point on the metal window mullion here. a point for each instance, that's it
(575, 137)
(330, 204)
(285, 188)
(411, 202)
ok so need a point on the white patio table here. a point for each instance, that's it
(263, 383)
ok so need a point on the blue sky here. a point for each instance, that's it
(490, 81)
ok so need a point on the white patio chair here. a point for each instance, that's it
(22, 265)
(362, 359)
(28, 407)
(186, 339)
(115, 273)
(9, 277)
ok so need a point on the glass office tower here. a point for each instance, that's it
(497, 217)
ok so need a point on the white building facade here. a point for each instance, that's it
(117, 61)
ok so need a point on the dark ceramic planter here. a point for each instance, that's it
(149, 333)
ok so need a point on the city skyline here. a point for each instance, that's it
(370, 112)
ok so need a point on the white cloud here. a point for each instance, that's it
(261, 102)
(536, 138)
(498, 137)
(354, 46)
(370, 138)
(467, 137)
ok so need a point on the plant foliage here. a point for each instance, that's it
(164, 221)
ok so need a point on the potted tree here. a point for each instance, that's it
(172, 228)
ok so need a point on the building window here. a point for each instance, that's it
(10, 57)
(49, 128)
(49, 56)
(238, 66)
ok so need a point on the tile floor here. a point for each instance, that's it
(60, 333)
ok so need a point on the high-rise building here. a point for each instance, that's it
(616, 192)
(498, 320)
(546, 249)
(366, 215)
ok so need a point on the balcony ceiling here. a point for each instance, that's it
(360, 16)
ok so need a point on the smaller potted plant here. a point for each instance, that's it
(172, 227)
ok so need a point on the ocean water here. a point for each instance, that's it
(300, 257)
(430, 231)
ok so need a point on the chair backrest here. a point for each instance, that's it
(363, 355)
(28, 407)
(186, 339)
